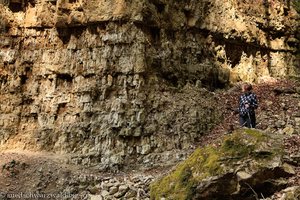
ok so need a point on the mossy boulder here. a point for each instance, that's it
(246, 164)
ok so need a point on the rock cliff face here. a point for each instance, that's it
(120, 82)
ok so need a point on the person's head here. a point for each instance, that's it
(247, 87)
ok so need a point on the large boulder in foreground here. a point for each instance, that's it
(247, 164)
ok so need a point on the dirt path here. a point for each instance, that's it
(28, 172)
(42, 175)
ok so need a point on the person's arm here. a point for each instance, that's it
(237, 110)
(254, 102)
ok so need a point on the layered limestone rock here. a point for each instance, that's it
(118, 82)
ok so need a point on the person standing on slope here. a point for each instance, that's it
(247, 105)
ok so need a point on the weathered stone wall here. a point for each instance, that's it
(119, 82)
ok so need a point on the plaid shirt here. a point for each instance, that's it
(250, 99)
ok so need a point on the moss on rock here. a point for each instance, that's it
(239, 151)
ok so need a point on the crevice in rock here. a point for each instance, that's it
(155, 34)
(16, 6)
(65, 77)
(23, 80)
(53, 3)
(271, 31)
(65, 33)
(170, 34)
(61, 108)
(160, 7)
(32, 3)
(251, 189)
(26, 100)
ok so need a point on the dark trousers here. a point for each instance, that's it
(248, 120)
